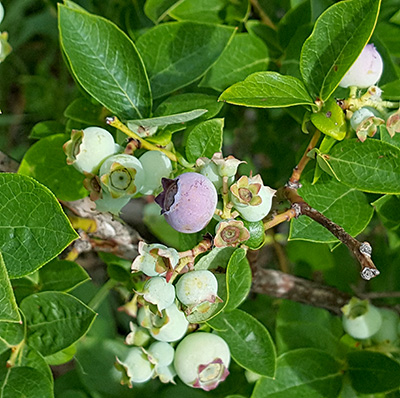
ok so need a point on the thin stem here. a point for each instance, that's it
(226, 213)
(280, 218)
(114, 122)
(264, 17)
(101, 294)
(295, 178)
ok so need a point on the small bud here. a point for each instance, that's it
(159, 292)
(202, 360)
(393, 123)
(169, 327)
(251, 198)
(366, 70)
(227, 167)
(155, 259)
(230, 233)
(135, 367)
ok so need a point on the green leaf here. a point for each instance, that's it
(32, 225)
(27, 356)
(105, 62)
(11, 334)
(330, 120)
(245, 54)
(46, 162)
(61, 357)
(373, 372)
(178, 53)
(267, 34)
(304, 326)
(85, 111)
(387, 207)
(205, 139)
(267, 90)
(190, 101)
(8, 305)
(24, 382)
(55, 320)
(391, 91)
(385, 137)
(292, 21)
(117, 268)
(249, 341)
(166, 120)
(212, 11)
(238, 279)
(305, 372)
(339, 36)
(157, 10)
(61, 275)
(344, 205)
(370, 166)
(44, 129)
(217, 257)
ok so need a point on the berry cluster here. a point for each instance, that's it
(207, 198)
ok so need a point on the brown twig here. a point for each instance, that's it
(281, 285)
(361, 250)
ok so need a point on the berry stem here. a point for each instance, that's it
(101, 294)
(295, 177)
(225, 197)
(114, 122)
(280, 218)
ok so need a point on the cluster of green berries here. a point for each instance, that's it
(199, 359)
(113, 177)
(363, 321)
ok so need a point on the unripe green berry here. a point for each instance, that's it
(88, 148)
(197, 287)
(359, 116)
(360, 319)
(202, 360)
(156, 165)
(136, 365)
(122, 175)
(387, 333)
(159, 292)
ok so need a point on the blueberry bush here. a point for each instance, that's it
(199, 198)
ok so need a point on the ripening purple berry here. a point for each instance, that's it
(188, 202)
(366, 71)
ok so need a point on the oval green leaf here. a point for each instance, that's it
(178, 53)
(55, 320)
(267, 90)
(370, 166)
(46, 162)
(249, 341)
(339, 36)
(245, 54)
(305, 372)
(105, 62)
(33, 226)
(204, 139)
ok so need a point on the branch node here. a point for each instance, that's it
(366, 249)
(297, 208)
(293, 184)
(369, 273)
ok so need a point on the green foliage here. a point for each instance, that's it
(112, 73)
(173, 71)
(33, 225)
